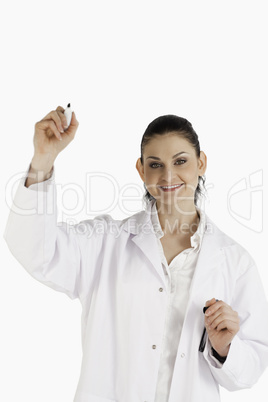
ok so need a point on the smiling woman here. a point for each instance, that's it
(143, 284)
(181, 127)
(172, 180)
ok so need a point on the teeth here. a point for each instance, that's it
(177, 185)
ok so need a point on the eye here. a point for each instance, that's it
(155, 165)
(180, 161)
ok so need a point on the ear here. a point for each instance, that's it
(140, 169)
(202, 164)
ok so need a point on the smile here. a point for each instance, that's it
(170, 188)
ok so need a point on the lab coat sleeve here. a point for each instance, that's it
(248, 354)
(63, 257)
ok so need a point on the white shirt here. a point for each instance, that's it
(178, 275)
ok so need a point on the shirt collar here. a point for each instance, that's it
(195, 239)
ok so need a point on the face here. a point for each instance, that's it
(171, 169)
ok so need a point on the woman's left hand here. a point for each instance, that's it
(222, 324)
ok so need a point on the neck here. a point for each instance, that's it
(178, 219)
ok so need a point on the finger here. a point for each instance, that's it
(49, 124)
(231, 320)
(73, 126)
(214, 307)
(222, 318)
(74, 122)
(210, 302)
(212, 314)
(64, 122)
(60, 109)
(60, 113)
(222, 312)
(54, 115)
(230, 325)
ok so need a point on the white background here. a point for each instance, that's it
(121, 64)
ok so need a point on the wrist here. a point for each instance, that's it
(222, 352)
(42, 162)
(40, 169)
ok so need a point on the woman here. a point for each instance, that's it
(143, 281)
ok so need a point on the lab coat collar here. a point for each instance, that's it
(139, 222)
(143, 235)
(195, 239)
(147, 220)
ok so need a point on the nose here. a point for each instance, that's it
(168, 175)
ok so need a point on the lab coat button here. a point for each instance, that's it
(154, 346)
(160, 289)
(182, 355)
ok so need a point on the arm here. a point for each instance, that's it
(51, 253)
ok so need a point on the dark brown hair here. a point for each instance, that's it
(165, 124)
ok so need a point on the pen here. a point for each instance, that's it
(68, 114)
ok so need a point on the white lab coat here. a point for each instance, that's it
(114, 268)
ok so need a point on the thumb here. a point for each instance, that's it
(74, 122)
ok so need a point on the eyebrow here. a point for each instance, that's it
(175, 156)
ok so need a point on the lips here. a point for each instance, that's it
(171, 188)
